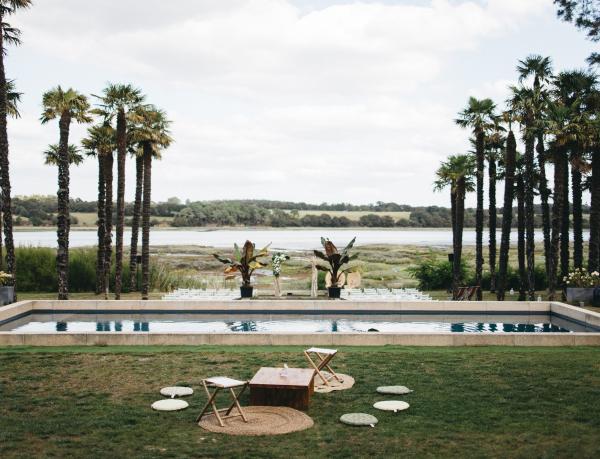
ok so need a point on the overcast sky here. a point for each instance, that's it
(311, 100)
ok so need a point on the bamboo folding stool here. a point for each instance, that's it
(223, 383)
(324, 357)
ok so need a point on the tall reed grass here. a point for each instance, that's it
(36, 272)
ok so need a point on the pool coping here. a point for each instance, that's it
(565, 311)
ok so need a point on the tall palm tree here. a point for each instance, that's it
(101, 143)
(478, 115)
(522, 103)
(510, 159)
(457, 172)
(136, 150)
(154, 136)
(592, 126)
(67, 106)
(494, 145)
(13, 98)
(573, 92)
(8, 36)
(117, 101)
(559, 127)
(541, 69)
(520, 192)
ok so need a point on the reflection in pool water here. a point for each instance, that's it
(290, 323)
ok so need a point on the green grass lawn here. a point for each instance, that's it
(477, 402)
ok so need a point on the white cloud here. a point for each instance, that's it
(338, 103)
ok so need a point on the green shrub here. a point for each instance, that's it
(434, 275)
(437, 275)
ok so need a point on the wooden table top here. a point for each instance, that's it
(271, 377)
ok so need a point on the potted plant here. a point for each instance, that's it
(580, 285)
(244, 261)
(7, 292)
(336, 261)
(276, 261)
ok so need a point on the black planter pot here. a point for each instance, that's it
(246, 292)
(334, 292)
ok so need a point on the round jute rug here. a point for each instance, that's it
(262, 420)
(334, 384)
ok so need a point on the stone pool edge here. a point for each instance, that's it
(565, 311)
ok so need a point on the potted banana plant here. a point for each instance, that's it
(336, 264)
(244, 262)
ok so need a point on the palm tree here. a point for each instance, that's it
(456, 172)
(101, 143)
(118, 100)
(520, 191)
(572, 91)
(495, 143)
(11, 36)
(541, 69)
(13, 98)
(52, 155)
(479, 115)
(559, 126)
(67, 106)
(510, 159)
(153, 136)
(593, 127)
(522, 104)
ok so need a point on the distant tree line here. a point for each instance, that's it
(41, 211)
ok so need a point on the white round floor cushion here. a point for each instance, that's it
(359, 419)
(391, 405)
(170, 404)
(176, 391)
(394, 390)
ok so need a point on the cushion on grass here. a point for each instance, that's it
(394, 390)
(169, 404)
(391, 405)
(176, 391)
(359, 419)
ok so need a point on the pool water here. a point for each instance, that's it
(290, 323)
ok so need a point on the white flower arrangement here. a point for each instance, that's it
(5, 278)
(580, 278)
(276, 261)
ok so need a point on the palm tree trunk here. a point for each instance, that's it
(121, 153)
(1, 254)
(135, 224)
(453, 219)
(557, 212)
(530, 213)
(63, 223)
(521, 238)
(460, 218)
(594, 247)
(565, 218)
(492, 221)
(5, 171)
(146, 220)
(509, 191)
(577, 211)
(480, 158)
(100, 258)
(108, 174)
(544, 195)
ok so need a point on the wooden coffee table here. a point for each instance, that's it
(269, 388)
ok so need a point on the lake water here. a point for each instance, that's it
(291, 239)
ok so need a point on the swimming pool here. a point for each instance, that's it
(299, 322)
(202, 322)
